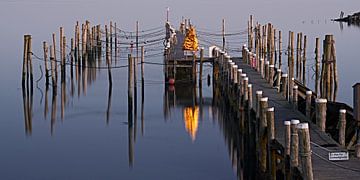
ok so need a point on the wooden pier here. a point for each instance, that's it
(286, 120)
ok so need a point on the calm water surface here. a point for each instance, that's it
(174, 140)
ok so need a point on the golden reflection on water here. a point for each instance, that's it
(191, 120)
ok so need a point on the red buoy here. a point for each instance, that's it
(171, 81)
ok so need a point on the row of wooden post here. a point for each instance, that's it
(266, 128)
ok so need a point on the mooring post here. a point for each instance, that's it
(356, 105)
(262, 133)
(291, 65)
(284, 85)
(25, 61)
(317, 65)
(45, 47)
(245, 88)
(257, 105)
(304, 61)
(267, 70)
(130, 88)
(321, 113)
(52, 66)
(271, 138)
(250, 97)
(308, 104)
(278, 80)
(280, 50)
(305, 151)
(294, 145)
(287, 137)
(342, 126)
(243, 75)
(271, 74)
(201, 66)
(63, 67)
(262, 68)
(61, 35)
(295, 97)
(235, 74)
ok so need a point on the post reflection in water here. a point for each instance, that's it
(191, 120)
(27, 105)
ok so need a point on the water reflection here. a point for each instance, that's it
(191, 120)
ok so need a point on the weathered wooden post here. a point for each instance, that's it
(291, 65)
(25, 69)
(295, 97)
(130, 89)
(245, 88)
(52, 65)
(271, 138)
(280, 50)
(308, 104)
(284, 85)
(278, 80)
(61, 35)
(342, 126)
(294, 144)
(262, 133)
(304, 61)
(298, 52)
(287, 137)
(250, 97)
(201, 66)
(271, 74)
(267, 69)
(356, 105)
(317, 65)
(45, 47)
(305, 151)
(321, 113)
(257, 105)
(55, 60)
(262, 68)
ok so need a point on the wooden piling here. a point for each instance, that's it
(271, 138)
(130, 89)
(304, 61)
(271, 74)
(55, 60)
(63, 67)
(294, 148)
(257, 105)
(45, 47)
(305, 151)
(61, 35)
(321, 114)
(298, 55)
(342, 126)
(25, 61)
(201, 66)
(308, 104)
(356, 105)
(245, 88)
(317, 65)
(267, 71)
(291, 64)
(278, 80)
(250, 97)
(295, 97)
(262, 134)
(287, 137)
(284, 85)
(52, 65)
(280, 50)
